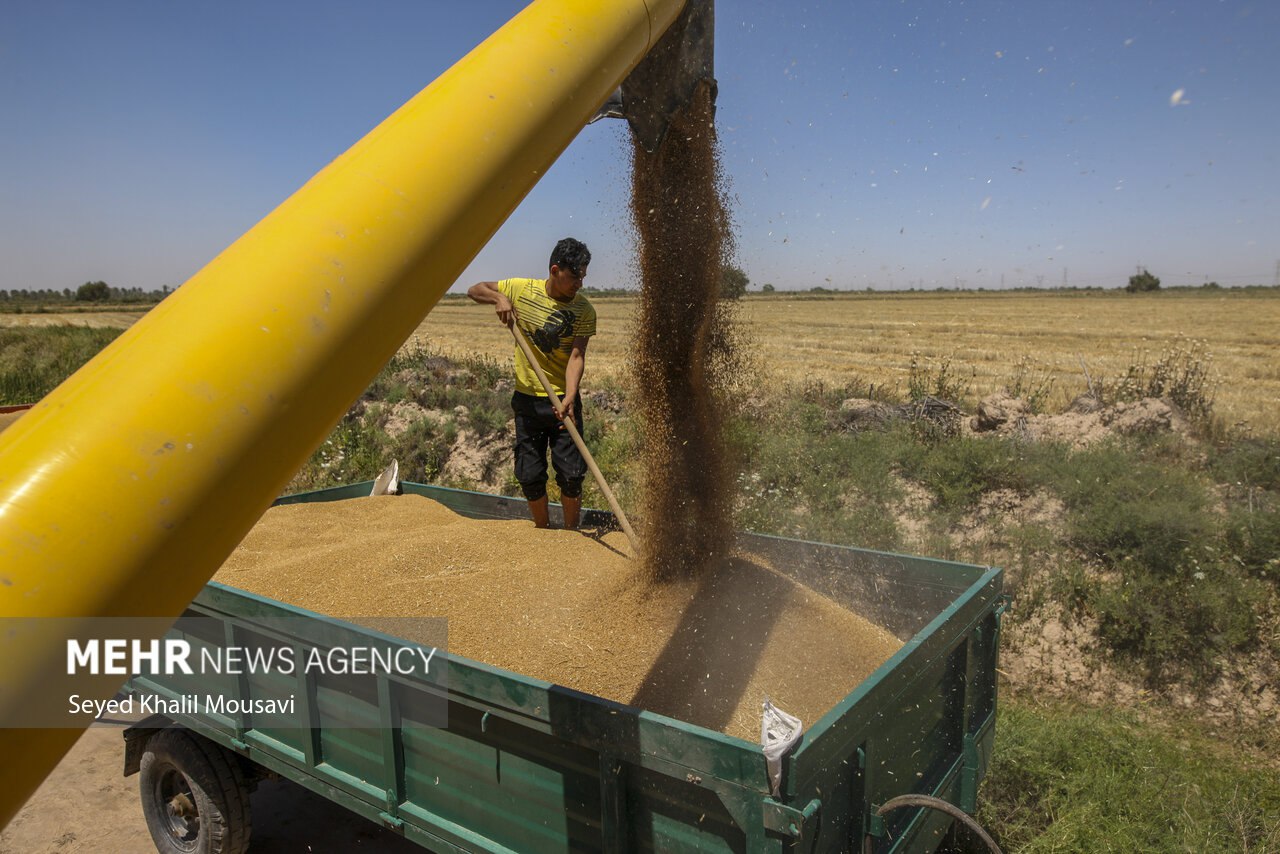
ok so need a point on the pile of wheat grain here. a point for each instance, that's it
(570, 608)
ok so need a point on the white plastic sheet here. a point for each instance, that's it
(779, 734)
(388, 483)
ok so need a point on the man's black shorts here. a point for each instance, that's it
(537, 428)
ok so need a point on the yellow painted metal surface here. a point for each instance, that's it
(124, 489)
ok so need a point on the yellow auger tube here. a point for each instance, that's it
(124, 489)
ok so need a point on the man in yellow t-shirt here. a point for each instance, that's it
(558, 321)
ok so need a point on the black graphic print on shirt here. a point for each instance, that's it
(559, 324)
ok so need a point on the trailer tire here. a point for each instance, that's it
(194, 795)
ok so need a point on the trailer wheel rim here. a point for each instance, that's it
(182, 817)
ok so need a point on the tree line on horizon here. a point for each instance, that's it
(89, 292)
(735, 284)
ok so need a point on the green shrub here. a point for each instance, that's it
(940, 380)
(830, 395)
(1179, 624)
(1247, 462)
(1182, 372)
(359, 449)
(960, 470)
(421, 450)
(1123, 508)
(1174, 595)
(615, 443)
(396, 391)
(934, 392)
(435, 381)
(1072, 586)
(830, 487)
(1253, 540)
(487, 419)
(352, 453)
(1065, 778)
(1032, 382)
(845, 488)
(35, 360)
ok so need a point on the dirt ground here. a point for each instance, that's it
(88, 805)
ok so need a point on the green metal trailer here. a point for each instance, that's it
(527, 766)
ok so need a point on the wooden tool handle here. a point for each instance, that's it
(577, 439)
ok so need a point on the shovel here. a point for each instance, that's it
(577, 440)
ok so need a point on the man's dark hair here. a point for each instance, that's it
(572, 254)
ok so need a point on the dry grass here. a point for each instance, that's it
(120, 319)
(871, 338)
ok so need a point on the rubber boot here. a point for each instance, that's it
(572, 509)
(538, 509)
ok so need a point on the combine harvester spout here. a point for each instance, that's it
(665, 80)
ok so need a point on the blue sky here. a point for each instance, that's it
(867, 144)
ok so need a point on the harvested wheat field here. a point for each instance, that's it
(860, 338)
(122, 319)
(570, 609)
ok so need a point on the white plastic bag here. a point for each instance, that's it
(388, 483)
(779, 734)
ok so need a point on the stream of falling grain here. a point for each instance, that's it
(678, 212)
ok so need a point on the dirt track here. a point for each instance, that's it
(87, 805)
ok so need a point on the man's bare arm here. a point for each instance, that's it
(488, 293)
(573, 374)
